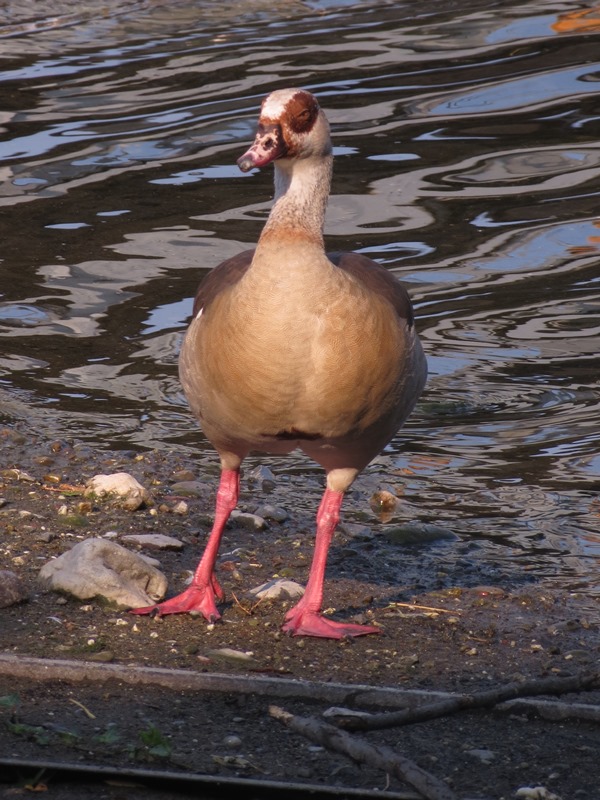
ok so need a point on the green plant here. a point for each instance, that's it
(155, 744)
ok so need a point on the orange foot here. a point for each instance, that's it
(198, 599)
(310, 623)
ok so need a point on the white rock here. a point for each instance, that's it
(119, 486)
(100, 568)
(535, 793)
(278, 589)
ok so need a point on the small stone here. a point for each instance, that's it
(249, 521)
(417, 533)
(180, 508)
(17, 474)
(120, 487)
(190, 488)
(153, 541)
(262, 475)
(360, 533)
(44, 461)
(46, 536)
(232, 741)
(485, 756)
(181, 475)
(228, 654)
(278, 589)
(268, 511)
(104, 656)
(12, 589)
(535, 793)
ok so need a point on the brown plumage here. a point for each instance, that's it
(292, 348)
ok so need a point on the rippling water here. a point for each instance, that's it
(467, 143)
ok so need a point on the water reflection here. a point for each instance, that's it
(467, 160)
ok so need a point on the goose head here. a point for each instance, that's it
(291, 126)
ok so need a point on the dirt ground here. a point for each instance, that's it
(468, 629)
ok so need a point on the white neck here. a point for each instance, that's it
(301, 193)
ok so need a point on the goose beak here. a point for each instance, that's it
(268, 146)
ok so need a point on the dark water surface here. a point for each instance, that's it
(467, 142)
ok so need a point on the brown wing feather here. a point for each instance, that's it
(376, 279)
(225, 274)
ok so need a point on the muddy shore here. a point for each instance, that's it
(458, 630)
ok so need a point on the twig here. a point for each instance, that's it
(64, 488)
(426, 608)
(85, 709)
(252, 608)
(483, 699)
(358, 750)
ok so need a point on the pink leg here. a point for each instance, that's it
(200, 594)
(305, 619)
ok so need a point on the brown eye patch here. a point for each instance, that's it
(302, 112)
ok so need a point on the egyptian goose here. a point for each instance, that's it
(292, 348)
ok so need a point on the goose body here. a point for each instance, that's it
(290, 347)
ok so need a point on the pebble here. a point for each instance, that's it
(180, 508)
(485, 756)
(535, 793)
(46, 536)
(153, 541)
(362, 533)
(190, 488)
(122, 488)
(232, 741)
(183, 475)
(249, 521)
(12, 589)
(416, 533)
(104, 656)
(228, 654)
(18, 474)
(263, 475)
(268, 511)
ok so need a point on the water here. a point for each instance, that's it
(467, 143)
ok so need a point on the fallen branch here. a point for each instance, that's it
(384, 758)
(553, 710)
(485, 699)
